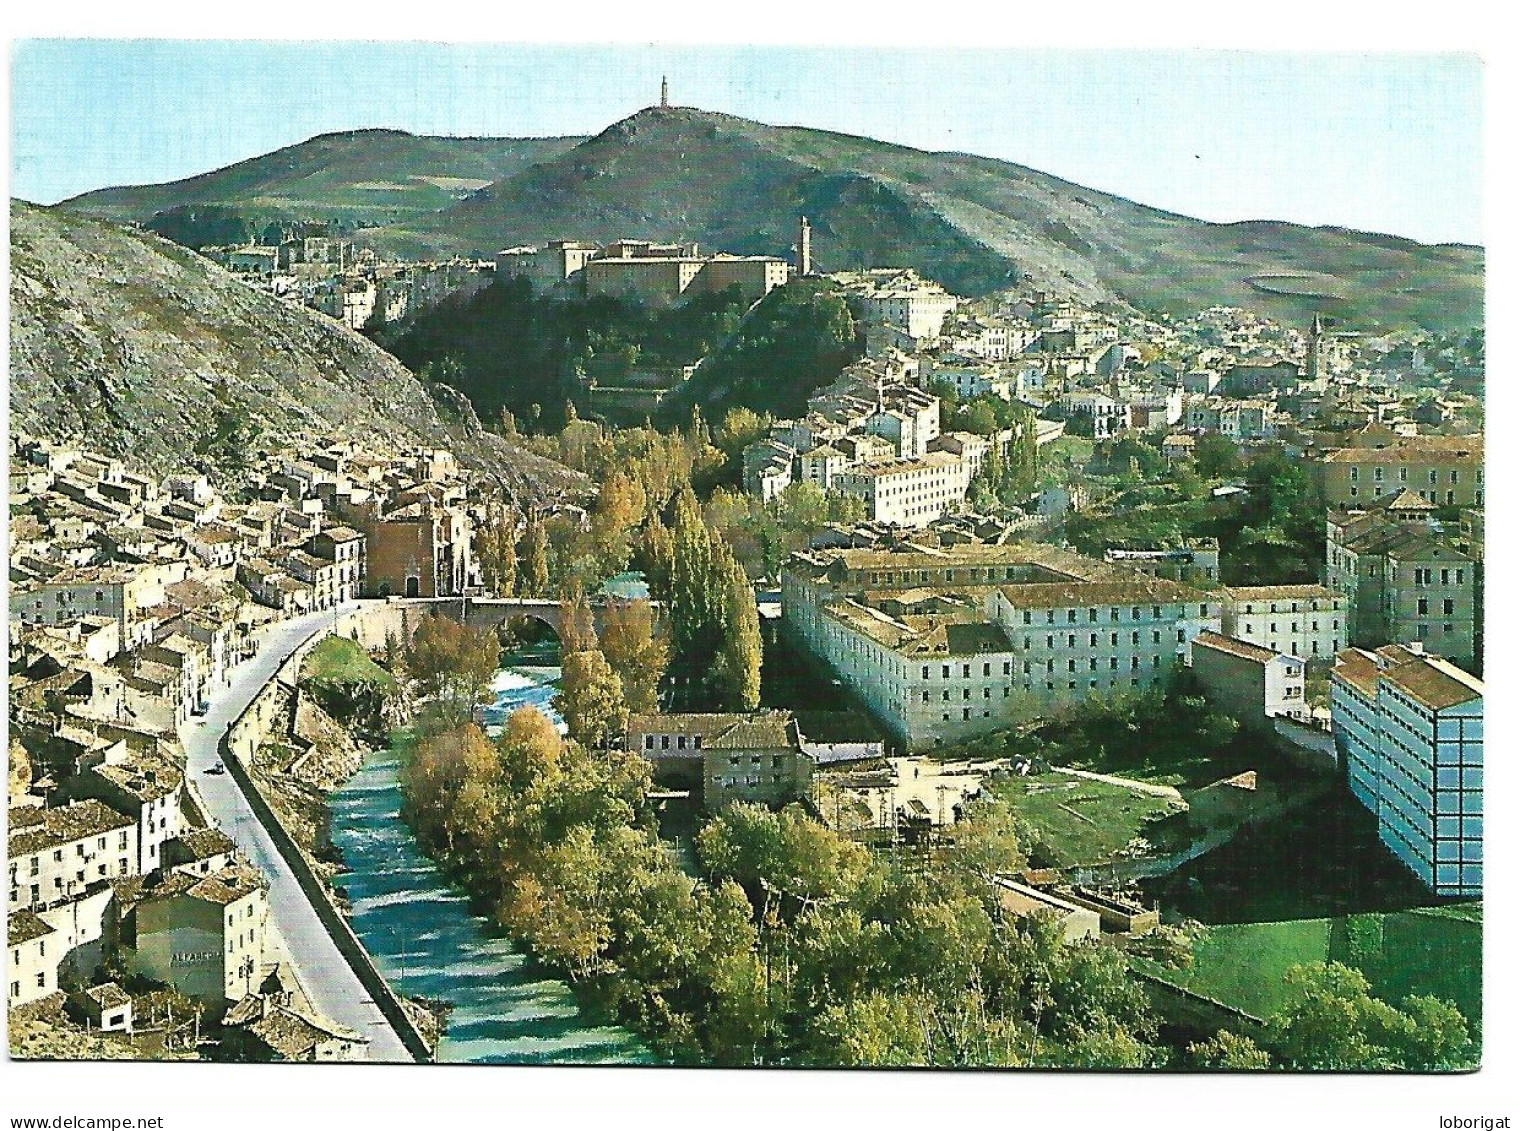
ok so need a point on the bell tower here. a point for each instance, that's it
(664, 93)
(804, 247)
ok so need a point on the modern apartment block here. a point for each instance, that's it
(1409, 730)
(947, 643)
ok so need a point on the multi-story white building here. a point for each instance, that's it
(907, 492)
(34, 959)
(119, 592)
(1307, 621)
(944, 644)
(1409, 728)
(1249, 683)
(1109, 417)
(56, 855)
(1401, 578)
(204, 935)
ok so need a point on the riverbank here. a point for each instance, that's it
(504, 1008)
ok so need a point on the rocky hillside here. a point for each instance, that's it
(148, 351)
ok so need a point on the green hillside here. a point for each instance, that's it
(975, 224)
(364, 177)
(1432, 950)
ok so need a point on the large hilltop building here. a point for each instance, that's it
(651, 273)
(943, 644)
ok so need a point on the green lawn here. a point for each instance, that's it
(336, 660)
(1083, 822)
(1437, 951)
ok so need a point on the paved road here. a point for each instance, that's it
(329, 981)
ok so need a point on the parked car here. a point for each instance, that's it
(216, 768)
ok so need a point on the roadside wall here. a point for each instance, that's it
(238, 745)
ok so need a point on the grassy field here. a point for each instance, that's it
(1436, 951)
(337, 661)
(1083, 822)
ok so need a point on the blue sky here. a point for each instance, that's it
(1385, 142)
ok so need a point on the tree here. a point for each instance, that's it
(1216, 456)
(742, 646)
(693, 597)
(590, 698)
(534, 555)
(497, 550)
(449, 782)
(741, 427)
(454, 664)
(618, 510)
(637, 652)
(1229, 1051)
(656, 556)
(1332, 1022)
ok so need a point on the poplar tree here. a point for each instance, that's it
(535, 558)
(590, 699)
(742, 647)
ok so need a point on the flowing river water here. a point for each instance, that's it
(428, 942)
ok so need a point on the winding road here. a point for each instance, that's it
(329, 981)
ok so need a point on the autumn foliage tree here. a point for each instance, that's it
(453, 664)
(637, 650)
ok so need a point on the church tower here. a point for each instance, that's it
(664, 93)
(1316, 345)
(804, 248)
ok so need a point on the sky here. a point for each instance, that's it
(1385, 141)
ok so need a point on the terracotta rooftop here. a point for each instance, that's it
(1244, 649)
(23, 926)
(66, 824)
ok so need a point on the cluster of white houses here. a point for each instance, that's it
(131, 601)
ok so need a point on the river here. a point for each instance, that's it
(428, 943)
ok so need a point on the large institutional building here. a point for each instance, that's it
(1409, 729)
(655, 274)
(944, 644)
(1401, 577)
(1444, 470)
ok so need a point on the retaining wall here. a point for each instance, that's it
(237, 748)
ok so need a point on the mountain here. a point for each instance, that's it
(364, 177)
(976, 224)
(145, 350)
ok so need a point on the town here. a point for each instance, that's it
(770, 651)
(991, 568)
